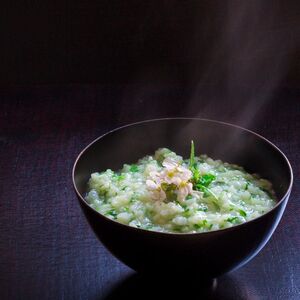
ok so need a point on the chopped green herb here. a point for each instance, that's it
(232, 220)
(186, 212)
(112, 213)
(247, 185)
(201, 224)
(203, 208)
(134, 168)
(121, 177)
(242, 213)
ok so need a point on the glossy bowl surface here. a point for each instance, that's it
(208, 254)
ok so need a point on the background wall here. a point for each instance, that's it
(225, 43)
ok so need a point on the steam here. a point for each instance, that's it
(229, 58)
(247, 64)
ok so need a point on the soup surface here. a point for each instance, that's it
(164, 192)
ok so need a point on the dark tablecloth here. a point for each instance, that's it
(47, 250)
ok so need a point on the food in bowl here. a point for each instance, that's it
(166, 193)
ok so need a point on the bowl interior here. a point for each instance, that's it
(218, 140)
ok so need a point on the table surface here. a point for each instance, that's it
(48, 251)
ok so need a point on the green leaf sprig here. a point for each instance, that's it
(200, 183)
(193, 165)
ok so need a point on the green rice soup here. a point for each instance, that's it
(164, 192)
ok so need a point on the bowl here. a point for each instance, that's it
(208, 254)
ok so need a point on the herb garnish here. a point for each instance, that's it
(134, 168)
(200, 183)
(193, 164)
(192, 155)
(206, 179)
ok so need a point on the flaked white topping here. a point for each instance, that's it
(173, 175)
(184, 189)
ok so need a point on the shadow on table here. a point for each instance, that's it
(138, 286)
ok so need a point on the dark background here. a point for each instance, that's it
(72, 70)
(184, 42)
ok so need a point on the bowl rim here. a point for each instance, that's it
(285, 196)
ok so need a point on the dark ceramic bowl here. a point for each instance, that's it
(208, 254)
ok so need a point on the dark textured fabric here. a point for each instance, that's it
(47, 250)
